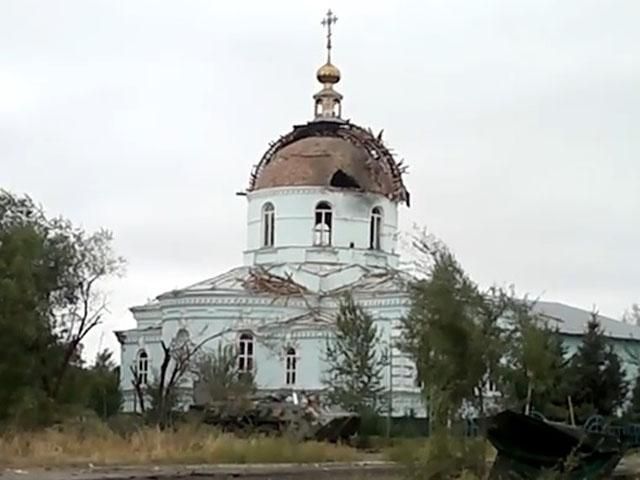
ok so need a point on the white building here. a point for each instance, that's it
(322, 219)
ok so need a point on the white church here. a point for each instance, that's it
(322, 219)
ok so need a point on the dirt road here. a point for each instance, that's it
(335, 471)
(378, 470)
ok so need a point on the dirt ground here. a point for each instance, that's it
(335, 471)
(629, 468)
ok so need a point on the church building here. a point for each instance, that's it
(322, 219)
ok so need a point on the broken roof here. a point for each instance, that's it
(331, 154)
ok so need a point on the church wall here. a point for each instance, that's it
(137, 340)
(271, 362)
(202, 321)
(294, 222)
(147, 316)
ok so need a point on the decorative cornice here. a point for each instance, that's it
(311, 190)
(387, 300)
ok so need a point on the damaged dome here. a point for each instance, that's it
(334, 154)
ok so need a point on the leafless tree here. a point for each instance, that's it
(91, 261)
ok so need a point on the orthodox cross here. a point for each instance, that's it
(328, 21)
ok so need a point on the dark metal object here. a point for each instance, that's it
(280, 415)
(528, 447)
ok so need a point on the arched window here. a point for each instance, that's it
(375, 228)
(322, 226)
(268, 225)
(290, 366)
(182, 339)
(142, 367)
(245, 353)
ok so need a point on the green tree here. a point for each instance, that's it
(633, 409)
(24, 283)
(463, 339)
(49, 301)
(490, 307)
(104, 396)
(442, 332)
(355, 362)
(538, 376)
(598, 380)
(219, 377)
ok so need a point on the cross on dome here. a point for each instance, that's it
(328, 101)
(327, 21)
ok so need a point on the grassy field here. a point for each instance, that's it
(101, 446)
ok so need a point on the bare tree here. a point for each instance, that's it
(93, 261)
(177, 358)
(139, 386)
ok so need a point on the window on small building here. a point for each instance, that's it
(290, 366)
(142, 367)
(245, 353)
(268, 225)
(322, 226)
(375, 228)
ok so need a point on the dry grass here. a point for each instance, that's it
(150, 446)
(411, 449)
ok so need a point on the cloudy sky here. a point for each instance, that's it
(520, 121)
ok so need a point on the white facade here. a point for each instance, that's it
(295, 212)
(356, 253)
(322, 219)
(277, 324)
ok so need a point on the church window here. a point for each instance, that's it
(375, 229)
(142, 367)
(268, 225)
(182, 338)
(290, 366)
(245, 353)
(322, 228)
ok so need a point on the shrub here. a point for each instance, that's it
(442, 456)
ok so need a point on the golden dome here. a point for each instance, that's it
(328, 73)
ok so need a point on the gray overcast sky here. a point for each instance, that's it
(520, 122)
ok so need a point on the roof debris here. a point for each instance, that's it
(260, 280)
(382, 169)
